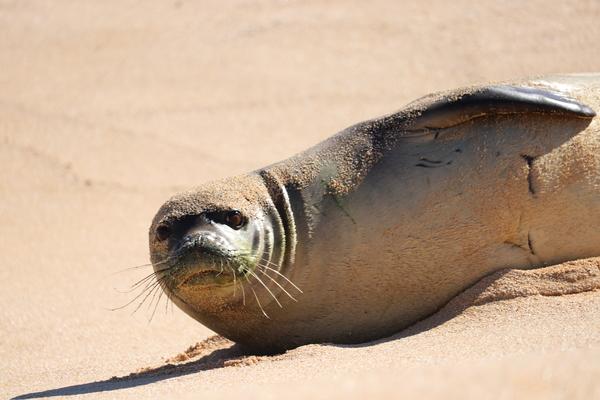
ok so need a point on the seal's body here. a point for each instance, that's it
(382, 224)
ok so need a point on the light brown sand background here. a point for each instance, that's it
(107, 108)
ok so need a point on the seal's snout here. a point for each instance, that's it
(204, 242)
(200, 257)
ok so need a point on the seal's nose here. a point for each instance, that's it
(175, 229)
(163, 232)
(195, 240)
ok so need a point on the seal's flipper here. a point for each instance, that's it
(438, 112)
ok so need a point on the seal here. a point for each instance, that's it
(383, 223)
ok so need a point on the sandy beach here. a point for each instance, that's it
(109, 108)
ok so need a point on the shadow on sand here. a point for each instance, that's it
(216, 359)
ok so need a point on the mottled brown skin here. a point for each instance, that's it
(385, 222)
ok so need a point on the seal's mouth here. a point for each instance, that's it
(204, 267)
(207, 277)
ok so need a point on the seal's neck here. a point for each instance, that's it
(280, 212)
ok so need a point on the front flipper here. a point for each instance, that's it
(439, 111)
(459, 107)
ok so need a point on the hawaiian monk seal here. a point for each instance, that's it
(383, 223)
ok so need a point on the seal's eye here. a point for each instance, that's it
(234, 219)
(163, 232)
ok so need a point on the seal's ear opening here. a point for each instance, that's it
(438, 112)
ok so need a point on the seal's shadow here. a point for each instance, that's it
(214, 360)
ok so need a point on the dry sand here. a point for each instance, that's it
(107, 108)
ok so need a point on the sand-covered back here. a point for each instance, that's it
(109, 108)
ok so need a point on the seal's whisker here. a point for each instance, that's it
(220, 272)
(141, 282)
(234, 282)
(266, 287)
(151, 284)
(156, 290)
(152, 288)
(257, 301)
(264, 260)
(277, 283)
(144, 279)
(270, 262)
(167, 302)
(148, 289)
(163, 261)
(156, 305)
(131, 268)
(280, 274)
(243, 293)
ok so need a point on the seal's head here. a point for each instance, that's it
(207, 243)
